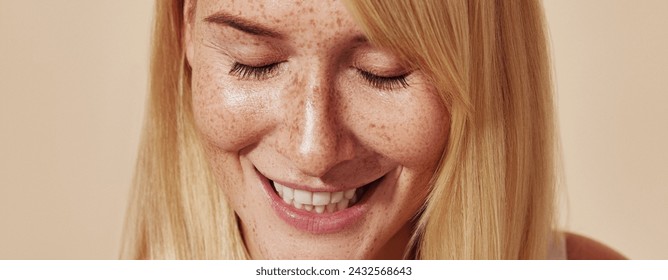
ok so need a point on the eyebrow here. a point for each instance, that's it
(243, 25)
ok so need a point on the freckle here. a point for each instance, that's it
(311, 9)
(385, 137)
(338, 22)
(372, 126)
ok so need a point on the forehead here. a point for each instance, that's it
(292, 18)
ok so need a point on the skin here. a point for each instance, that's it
(580, 247)
(313, 120)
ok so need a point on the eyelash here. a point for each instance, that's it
(253, 72)
(385, 83)
(263, 72)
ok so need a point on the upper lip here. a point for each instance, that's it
(321, 187)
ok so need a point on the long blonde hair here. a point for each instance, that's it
(493, 194)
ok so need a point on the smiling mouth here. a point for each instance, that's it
(322, 202)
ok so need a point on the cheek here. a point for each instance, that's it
(411, 129)
(228, 117)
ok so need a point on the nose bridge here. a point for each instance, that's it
(318, 141)
(315, 126)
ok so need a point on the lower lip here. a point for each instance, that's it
(311, 222)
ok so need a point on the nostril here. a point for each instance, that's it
(315, 165)
(320, 153)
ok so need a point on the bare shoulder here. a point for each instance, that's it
(579, 247)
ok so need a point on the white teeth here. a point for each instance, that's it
(288, 193)
(304, 197)
(321, 198)
(349, 193)
(279, 189)
(336, 197)
(317, 202)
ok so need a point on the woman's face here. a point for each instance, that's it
(323, 143)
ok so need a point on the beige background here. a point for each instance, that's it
(73, 80)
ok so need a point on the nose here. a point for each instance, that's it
(317, 139)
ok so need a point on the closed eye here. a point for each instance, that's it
(247, 72)
(385, 83)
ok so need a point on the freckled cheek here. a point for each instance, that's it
(413, 134)
(430, 131)
(227, 117)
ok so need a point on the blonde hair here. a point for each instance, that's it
(493, 194)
